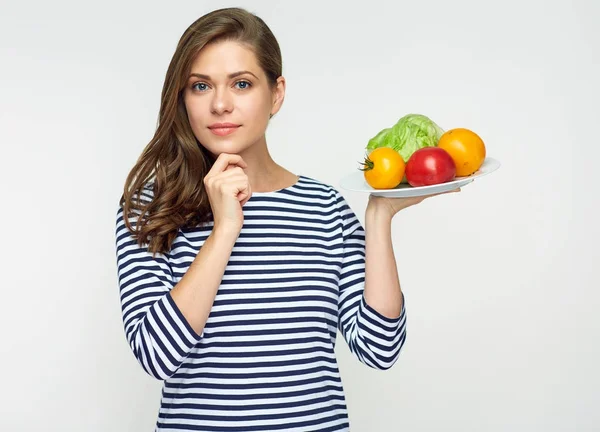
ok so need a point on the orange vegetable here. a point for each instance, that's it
(383, 168)
(466, 148)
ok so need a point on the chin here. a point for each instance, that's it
(217, 147)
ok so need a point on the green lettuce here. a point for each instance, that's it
(410, 133)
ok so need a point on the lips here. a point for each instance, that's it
(223, 125)
(222, 131)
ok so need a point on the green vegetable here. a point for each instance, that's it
(410, 133)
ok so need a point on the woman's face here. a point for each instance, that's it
(228, 86)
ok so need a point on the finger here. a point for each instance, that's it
(233, 186)
(446, 192)
(230, 182)
(226, 159)
(450, 191)
(245, 194)
(218, 180)
(231, 171)
(247, 197)
(241, 165)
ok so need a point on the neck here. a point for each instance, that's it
(263, 172)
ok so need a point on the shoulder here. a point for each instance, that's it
(145, 196)
(334, 199)
(146, 193)
(319, 188)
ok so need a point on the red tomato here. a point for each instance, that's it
(429, 166)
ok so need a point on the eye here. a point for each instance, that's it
(194, 86)
(246, 85)
(201, 87)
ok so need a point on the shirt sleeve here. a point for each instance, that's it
(158, 333)
(373, 338)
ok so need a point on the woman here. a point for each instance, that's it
(235, 274)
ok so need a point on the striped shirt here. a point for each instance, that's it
(265, 360)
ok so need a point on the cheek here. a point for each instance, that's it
(193, 110)
(257, 106)
(195, 116)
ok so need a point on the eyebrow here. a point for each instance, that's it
(231, 75)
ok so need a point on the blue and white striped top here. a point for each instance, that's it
(265, 360)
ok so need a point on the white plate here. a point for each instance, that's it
(356, 182)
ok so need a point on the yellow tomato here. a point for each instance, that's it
(466, 148)
(383, 168)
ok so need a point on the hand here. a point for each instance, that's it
(391, 206)
(228, 189)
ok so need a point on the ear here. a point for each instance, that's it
(278, 95)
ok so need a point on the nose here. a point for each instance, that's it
(221, 102)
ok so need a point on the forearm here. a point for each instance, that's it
(382, 286)
(196, 291)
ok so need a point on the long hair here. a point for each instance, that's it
(174, 162)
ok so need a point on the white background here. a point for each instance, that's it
(502, 297)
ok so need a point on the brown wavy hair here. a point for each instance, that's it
(174, 163)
